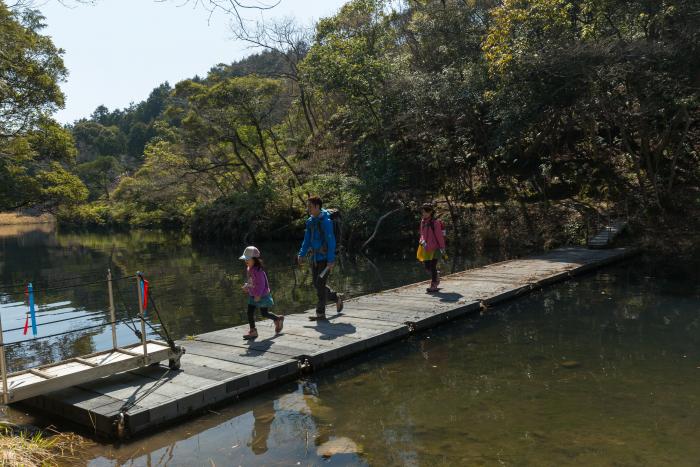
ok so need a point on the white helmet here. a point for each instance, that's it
(250, 252)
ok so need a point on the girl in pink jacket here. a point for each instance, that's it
(432, 237)
(258, 290)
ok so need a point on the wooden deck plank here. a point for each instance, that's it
(65, 369)
(255, 350)
(339, 348)
(231, 354)
(331, 330)
(335, 327)
(216, 364)
(110, 357)
(212, 374)
(417, 320)
(160, 393)
(14, 382)
(93, 411)
(127, 386)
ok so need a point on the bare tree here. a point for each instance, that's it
(229, 7)
(289, 40)
(23, 4)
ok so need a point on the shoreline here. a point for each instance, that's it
(13, 218)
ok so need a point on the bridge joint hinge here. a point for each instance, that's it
(305, 365)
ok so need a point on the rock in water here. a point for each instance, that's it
(570, 364)
(337, 446)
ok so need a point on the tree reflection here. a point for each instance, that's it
(196, 287)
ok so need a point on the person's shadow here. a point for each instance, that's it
(259, 345)
(447, 296)
(330, 330)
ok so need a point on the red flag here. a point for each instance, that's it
(26, 325)
(145, 295)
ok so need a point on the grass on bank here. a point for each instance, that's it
(19, 448)
(13, 218)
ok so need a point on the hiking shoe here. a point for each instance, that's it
(279, 323)
(339, 304)
(252, 334)
(318, 318)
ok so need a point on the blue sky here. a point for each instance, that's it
(117, 51)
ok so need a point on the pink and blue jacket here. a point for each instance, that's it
(432, 234)
(258, 285)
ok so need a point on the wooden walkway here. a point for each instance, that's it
(221, 366)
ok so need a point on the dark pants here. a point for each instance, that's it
(431, 267)
(263, 311)
(323, 292)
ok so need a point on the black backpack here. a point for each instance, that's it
(337, 221)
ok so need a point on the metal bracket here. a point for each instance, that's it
(483, 307)
(174, 363)
(305, 365)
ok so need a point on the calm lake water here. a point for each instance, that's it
(600, 370)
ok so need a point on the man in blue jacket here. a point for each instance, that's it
(319, 244)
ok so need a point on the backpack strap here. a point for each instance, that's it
(324, 247)
(267, 282)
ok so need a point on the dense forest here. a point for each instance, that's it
(525, 121)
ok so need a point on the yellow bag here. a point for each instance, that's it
(420, 253)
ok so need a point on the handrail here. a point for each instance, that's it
(113, 322)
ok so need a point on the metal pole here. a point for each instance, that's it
(112, 313)
(3, 368)
(141, 317)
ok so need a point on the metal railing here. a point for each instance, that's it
(596, 221)
(112, 314)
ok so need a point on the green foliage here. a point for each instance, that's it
(161, 192)
(59, 187)
(96, 140)
(598, 97)
(50, 141)
(337, 190)
(244, 216)
(31, 68)
(487, 103)
(266, 63)
(346, 60)
(34, 149)
(93, 214)
(99, 175)
(341, 192)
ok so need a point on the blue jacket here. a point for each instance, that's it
(321, 241)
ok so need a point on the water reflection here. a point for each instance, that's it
(597, 371)
(290, 428)
(264, 415)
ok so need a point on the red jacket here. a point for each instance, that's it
(432, 234)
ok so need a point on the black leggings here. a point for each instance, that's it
(263, 311)
(431, 267)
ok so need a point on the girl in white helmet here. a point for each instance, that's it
(258, 290)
